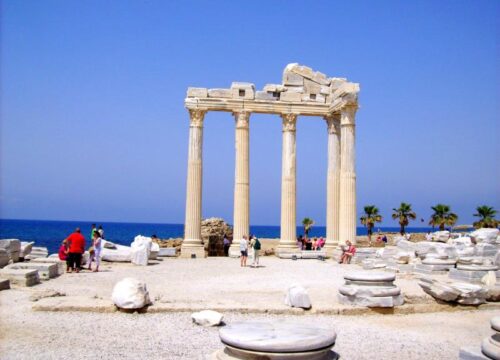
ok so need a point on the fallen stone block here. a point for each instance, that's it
(140, 250)
(167, 252)
(207, 318)
(20, 277)
(45, 271)
(130, 294)
(38, 252)
(13, 248)
(61, 265)
(485, 235)
(4, 258)
(26, 248)
(297, 296)
(462, 293)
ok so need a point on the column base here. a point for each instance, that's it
(234, 251)
(336, 254)
(330, 249)
(188, 251)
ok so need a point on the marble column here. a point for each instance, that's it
(347, 219)
(333, 183)
(241, 223)
(288, 238)
(192, 243)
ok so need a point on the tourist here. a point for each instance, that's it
(315, 244)
(378, 240)
(63, 253)
(348, 253)
(96, 253)
(256, 248)
(308, 243)
(76, 248)
(227, 245)
(384, 239)
(101, 232)
(244, 251)
(300, 242)
(321, 243)
(428, 236)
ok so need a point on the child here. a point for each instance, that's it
(63, 253)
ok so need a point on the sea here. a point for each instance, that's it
(50, 233)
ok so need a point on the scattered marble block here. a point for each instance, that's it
(280, 339)
(141, 250)
(130, 294)
(4, 258)
(486, 249)
(297, 296)
(21, 277)
(485, 235)
(26, 248)
(13, 248)
(370, 264)
(370, 289)
(207, 318)
(462, 293)
(61, 265)
(4, 284)
(45, 271)
(401, 268)
(432, 269)
(472, 273)
(313, 254)
(112, 252)
(362, 254)
(155, 249)
(38, 252)
(167, 252)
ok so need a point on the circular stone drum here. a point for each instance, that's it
(277, 340)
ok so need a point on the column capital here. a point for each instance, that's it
(289, 121)
(242, 119)
(347, 115)
(333, 123)
(196, 117)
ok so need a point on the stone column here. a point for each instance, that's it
(333, 183)
(288, 239)
(192, 243)
(347, 220)
(241, 223)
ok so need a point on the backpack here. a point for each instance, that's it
(256, 246)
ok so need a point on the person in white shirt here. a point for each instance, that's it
(244, 251)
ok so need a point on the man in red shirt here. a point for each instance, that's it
(76, 248)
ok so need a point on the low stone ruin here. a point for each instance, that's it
(20, 277)
(462, 293)
(473, 272)
(207, 318)
(281, 339)
(140, 250)
(490, 347)
(297, 296)
(61, 265)
(38, 252)
(371, 289)
(12, 247)
(45, 271)
(213, 231)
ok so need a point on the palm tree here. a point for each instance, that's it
(442, 216)
(404, 214)
(308, 223)
(487, 217)
(369, 219)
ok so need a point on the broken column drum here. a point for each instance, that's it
(303, 93)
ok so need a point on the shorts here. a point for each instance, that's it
(244, 253)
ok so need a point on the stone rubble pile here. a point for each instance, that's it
(371, 289)
(300, 84)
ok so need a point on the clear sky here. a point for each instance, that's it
(93, 125)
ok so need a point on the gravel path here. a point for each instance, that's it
(25, 334)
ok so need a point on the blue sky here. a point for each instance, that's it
(93, 125)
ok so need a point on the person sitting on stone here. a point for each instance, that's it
(348, 253)
(315, 244)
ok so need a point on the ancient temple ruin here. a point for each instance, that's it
(304, 92)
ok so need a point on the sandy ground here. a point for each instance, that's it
(215, 281)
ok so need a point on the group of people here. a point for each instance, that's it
(306, 243)
(252, 243)
(73, 248)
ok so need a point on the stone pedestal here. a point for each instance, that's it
(333, 184)
(347, 215)
(288, 238)
(192, 243)
(241, 183)
(280, 339)
(371, 289)
(490, 347)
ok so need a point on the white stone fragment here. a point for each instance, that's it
(442, 236)
(26, 248)
(297, 296)
(155, 249)
(140, 250)
(130, 293)
(207, 318)
(197, 92)
(115, 253)
(489, 279)
(13, 248)
(485, 235)
(4, 258)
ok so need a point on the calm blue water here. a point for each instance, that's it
(51, 233)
